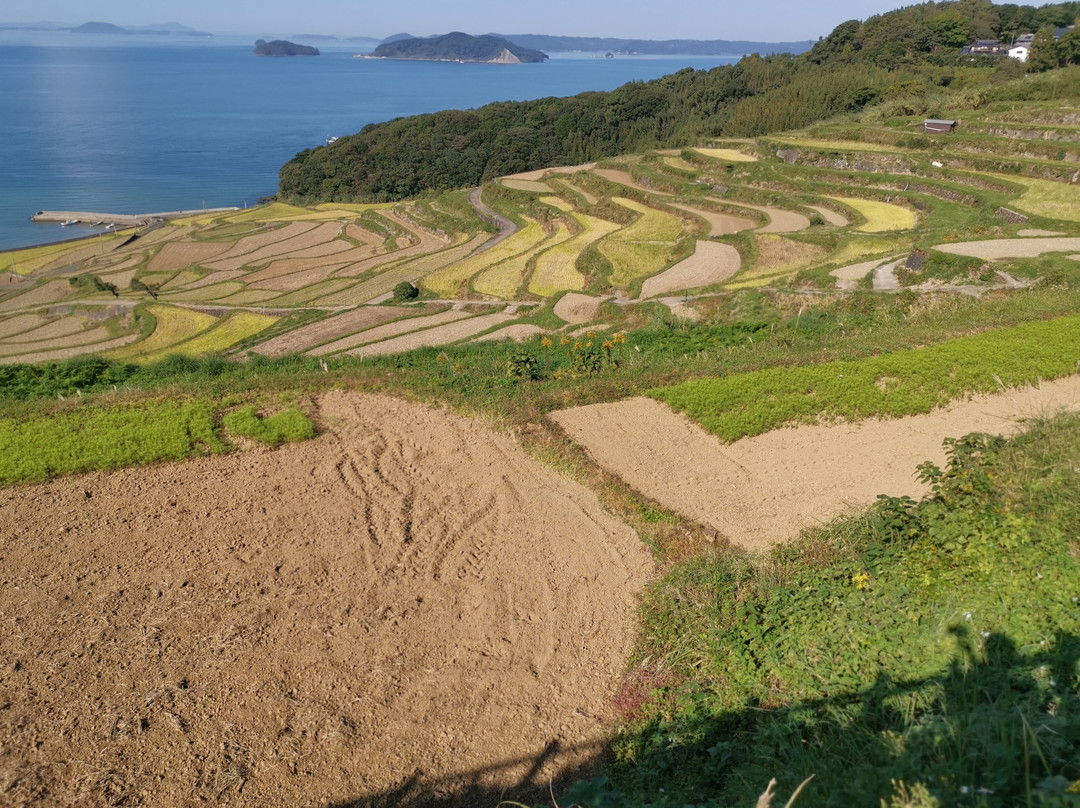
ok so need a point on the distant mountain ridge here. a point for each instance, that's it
(459, 47)
(665, 47)
(282, 47)
(108, 28)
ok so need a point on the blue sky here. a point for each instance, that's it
(763, 20)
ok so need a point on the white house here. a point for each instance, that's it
(1021, 47)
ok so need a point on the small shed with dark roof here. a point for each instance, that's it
(935, 126)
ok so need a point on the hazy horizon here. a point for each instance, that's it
(767, 21)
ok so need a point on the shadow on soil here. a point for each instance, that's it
(998, 726)
(533, 782)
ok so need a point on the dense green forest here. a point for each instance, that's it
(911, 52)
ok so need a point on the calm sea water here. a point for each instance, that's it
(136, 125)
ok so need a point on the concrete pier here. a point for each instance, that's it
(119, 219)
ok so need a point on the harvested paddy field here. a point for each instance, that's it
(372, 616)
(760, 490)
(711, 263)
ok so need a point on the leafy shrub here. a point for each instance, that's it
(406, 291)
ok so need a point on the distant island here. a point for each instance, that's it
(281, 47)
(108, 29)
(655, 47)
(459, 47)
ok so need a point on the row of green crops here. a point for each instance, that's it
(134, 434)
(892, 385)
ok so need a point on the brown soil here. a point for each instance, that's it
(780, 220)
(395, 329)
(720, 224)
(181, 254)
(626, 178)
(830, 215)
(433, 337)
(848, 277)
(38, 296)
(19, 324)
(67, 353)
(61, 327)
(315, 238)
(711, 263)
(765, 489)
(235, 257)
(1010, 247)
(305, 337)
(408, 610)
(577, 309)
(517, 333)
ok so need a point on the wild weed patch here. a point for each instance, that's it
(934, 643)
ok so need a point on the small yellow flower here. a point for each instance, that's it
(609, 345)
(544, 341)
(564, 341)
(577, 346)
(591, 335)
(861, 580)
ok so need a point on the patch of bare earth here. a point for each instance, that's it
(60, 354)
(720, 224)
(763, 490)
(997, 249)
(577, 309)
(434, 337)
(301, 339)
(389, 330)
(830, 215)
(780, 220)
(181, 254)
(620, 177)
(408, 609)
(41, 295)
(517, 333)
(711, 263)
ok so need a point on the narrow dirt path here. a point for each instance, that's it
(506, 226)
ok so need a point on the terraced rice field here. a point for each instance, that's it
(353, 255)
(881, 217)
(556, 269)
(226, 333)
(174, 325)
(448, 282)
(644, 247)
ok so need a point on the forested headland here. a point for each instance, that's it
(902, 58)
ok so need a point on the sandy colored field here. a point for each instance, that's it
(592, 199)
(848, 277)
(621, 177)
(221, 276)
(577, 309)
(517, 333)
(730, 155)
(308, 336)
(780, 221)
(762, 490)
(60, 327)
(829, 215)
(11, 326)
(711, 263)
(388, 331)
(83, 336)
(264, 238)
(433, 337)
(287, 266)
(720, 224)
(294, 281)
(207, 294)
(180, 254)
(531, 186)
(301, 242)
(557, 202)
(408, 602)
(312, 293)
(1010, 247)
(60, 354)
(40, 295)
(777, 258)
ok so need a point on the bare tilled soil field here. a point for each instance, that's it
(761, 490)
(406, 608)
